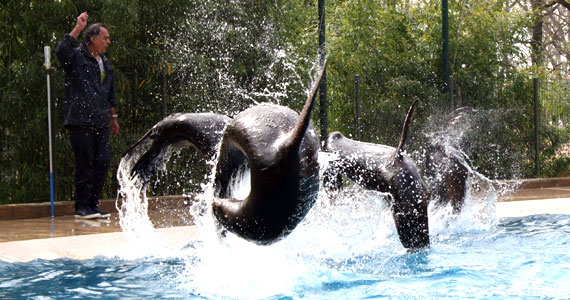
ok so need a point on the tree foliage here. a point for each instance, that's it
(395, 49)
(224, 56)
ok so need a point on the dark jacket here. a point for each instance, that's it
(87, 100)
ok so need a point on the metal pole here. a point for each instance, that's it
(445, 39)
(47, 54)
(164, 110)
(357, 92)
(164, 93)
(450, 93)
(536, 129)
(323, 86)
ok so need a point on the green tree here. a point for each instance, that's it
(169, 56)
(395, 49)
(224, 56)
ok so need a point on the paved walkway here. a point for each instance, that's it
(64, 236)
(23, 240)
(47, 227)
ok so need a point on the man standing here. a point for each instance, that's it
(89, 111)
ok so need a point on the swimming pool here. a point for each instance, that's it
(345, 249)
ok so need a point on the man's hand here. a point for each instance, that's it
(114, 127)
(82, 20)
(81, 23)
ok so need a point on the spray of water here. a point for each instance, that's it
(133, 208)
(213, 55)
(351, 231)
(346, 232)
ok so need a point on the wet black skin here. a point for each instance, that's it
(447, 166)
(281, 150)
(386, 169)
(203, 131)
(279, 146)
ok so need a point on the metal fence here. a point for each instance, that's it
(548, 116)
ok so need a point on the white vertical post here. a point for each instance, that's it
(47, 53)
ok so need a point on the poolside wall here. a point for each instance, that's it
(66, 208)
(528, 189)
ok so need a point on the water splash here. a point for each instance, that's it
(133, 209)
(349, 231)
(223, 53)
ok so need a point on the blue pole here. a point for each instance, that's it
(47, 53)
(51, 193)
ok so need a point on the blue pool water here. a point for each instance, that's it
(345, 248)
(474, 256)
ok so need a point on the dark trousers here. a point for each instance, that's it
(92, 155)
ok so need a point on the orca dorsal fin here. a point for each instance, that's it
(300, 128)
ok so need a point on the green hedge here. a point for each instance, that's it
(224, 56)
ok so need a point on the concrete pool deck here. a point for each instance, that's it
(38, 236)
